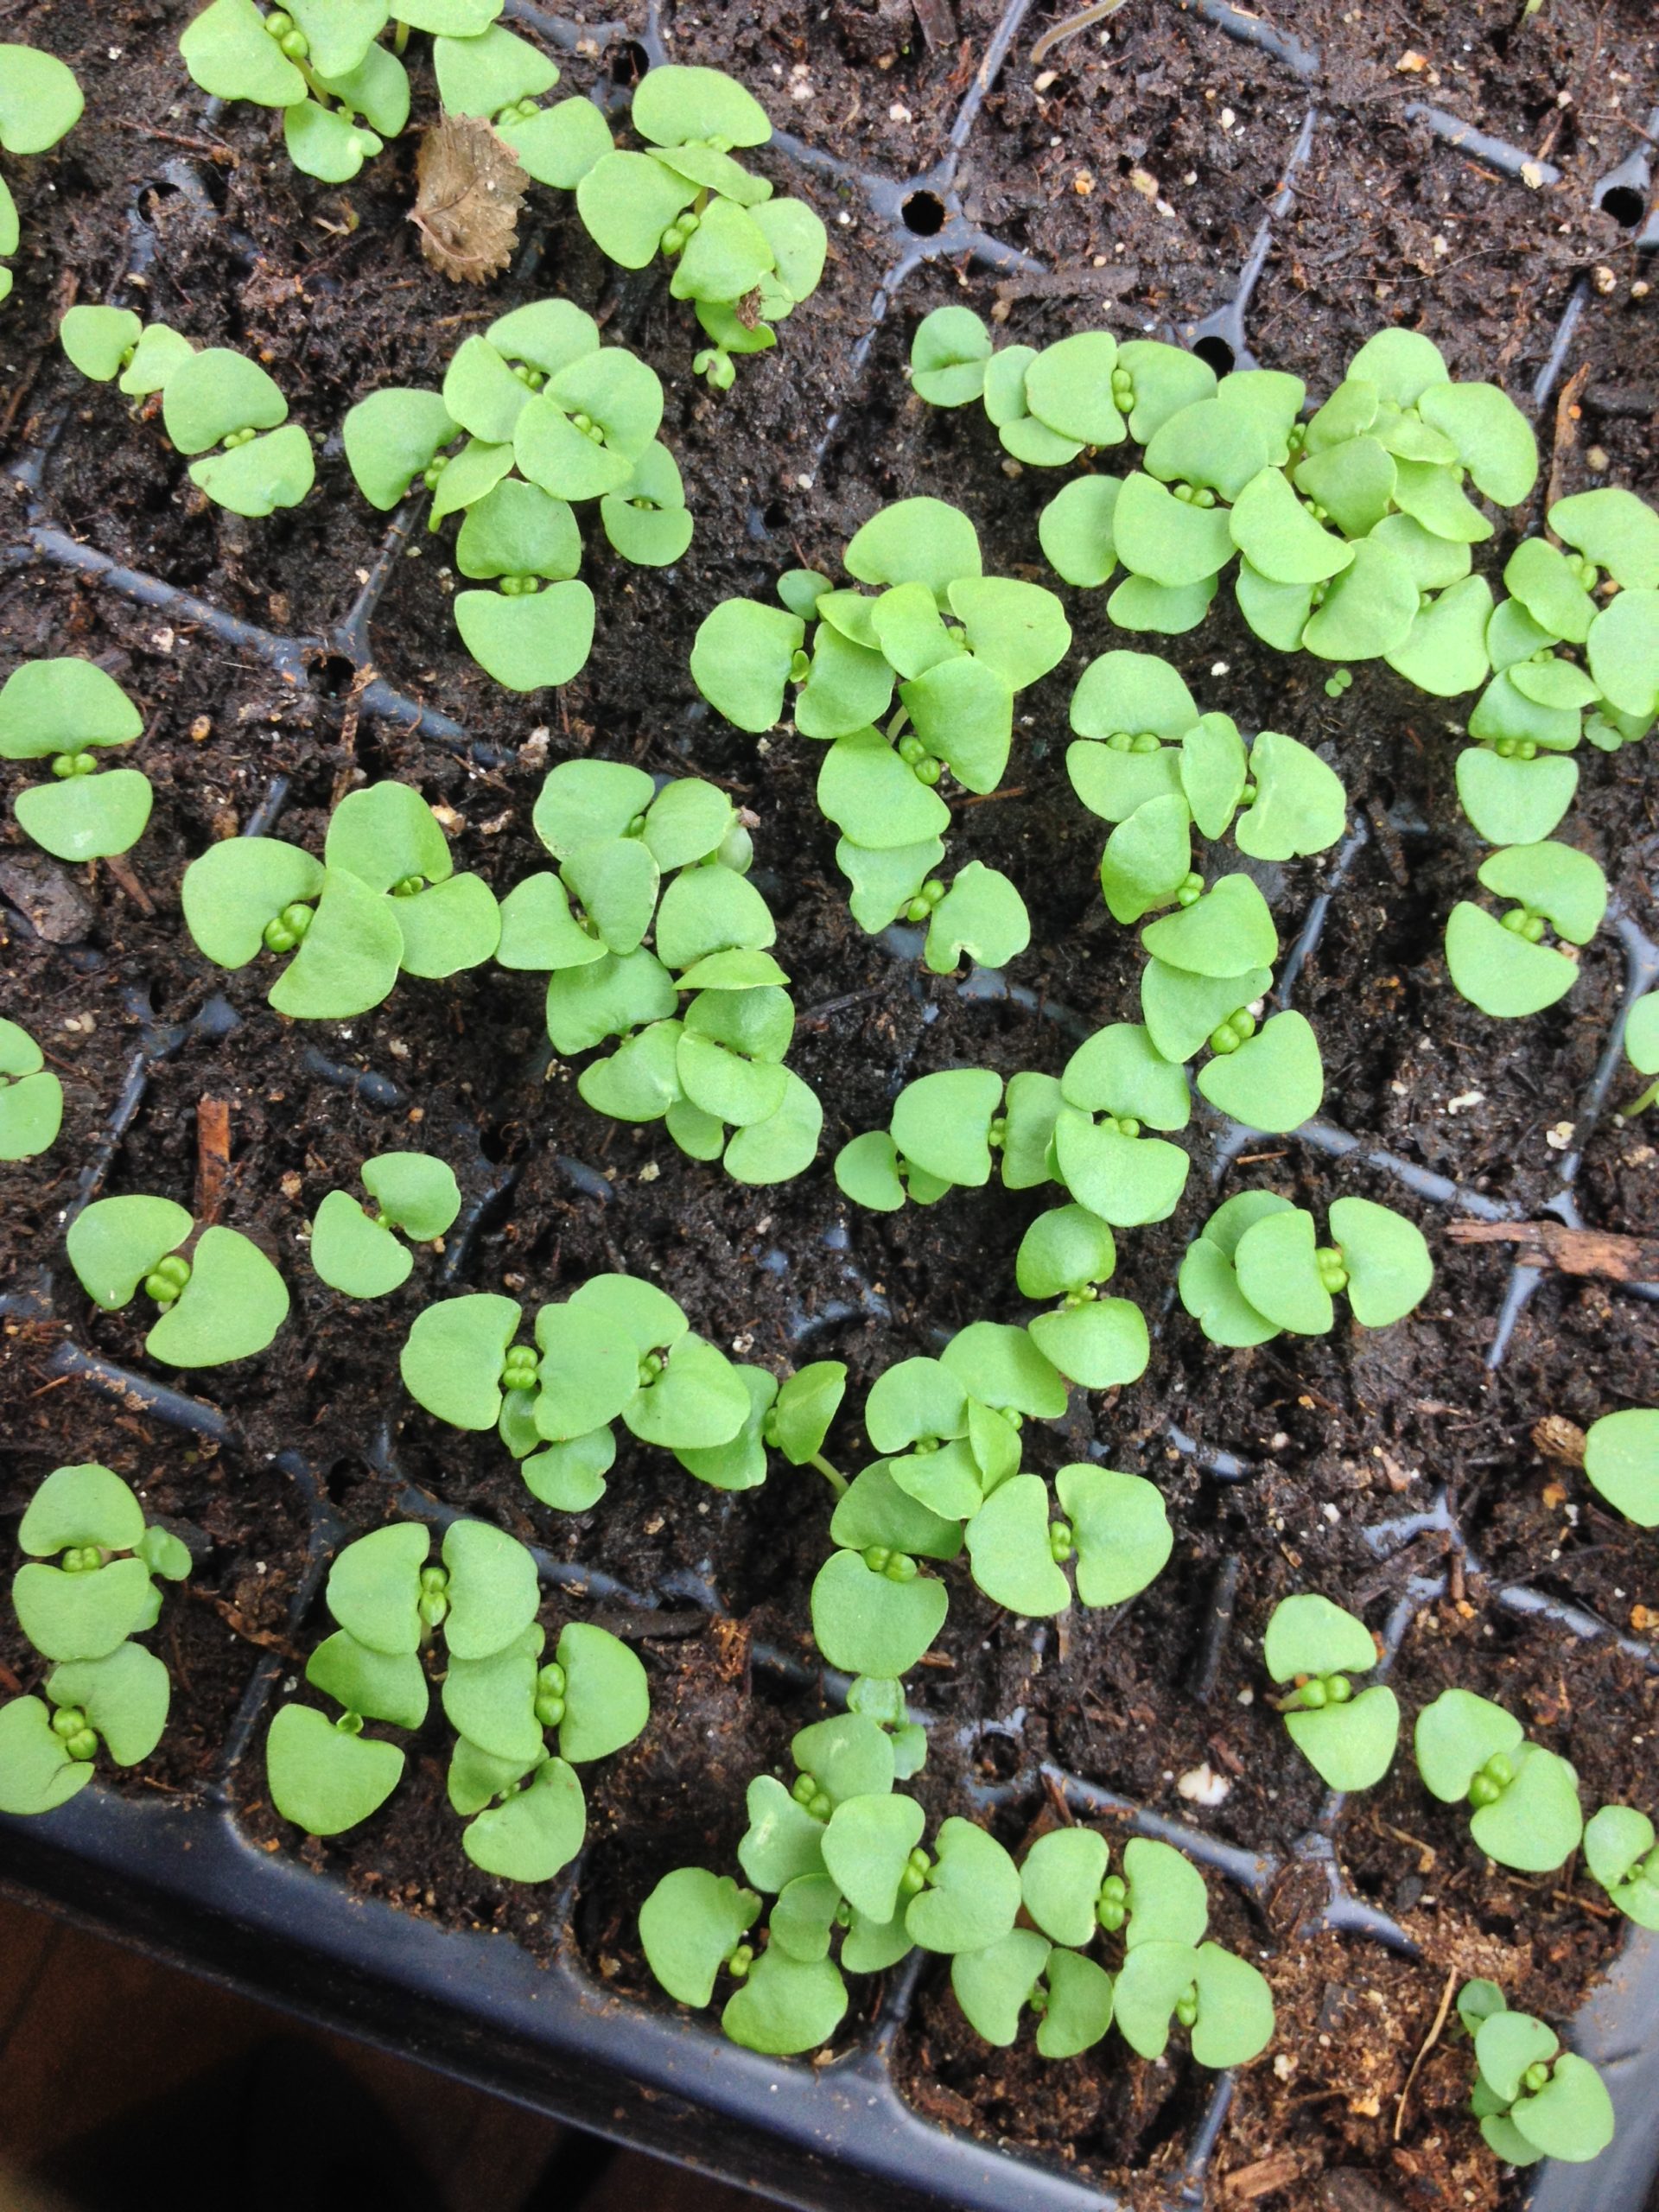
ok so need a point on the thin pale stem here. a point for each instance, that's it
(1639, 1105)
(835, 1479)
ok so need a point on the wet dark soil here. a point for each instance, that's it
(1137, 162)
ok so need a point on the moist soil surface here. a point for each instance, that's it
(1136, 163)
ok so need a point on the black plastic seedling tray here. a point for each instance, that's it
(184, 1882)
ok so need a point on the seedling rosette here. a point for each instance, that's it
(384, 899)
(1348, 1737)
(87, 1589)
(522, 1802)
(356, 1253)
(221, 1301)
(1533, 2099)
(39, 103)
(617, 1349)
(1256, 1269)
(31, 1096)
(1524, 1799)
(954, 647)
(534, 414)
(636, 860)
(68, 711)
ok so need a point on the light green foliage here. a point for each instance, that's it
(534, 417)
(40, 102)
(743, 259)
(1621, 1457)
(336, 73)
(31, 1096)
(1159, 1906)
(1525, 1798)
(1313, 510)
(80, 1611)
(67, 711)
(953, 646)
(224, 1301)
(1502, 964)
(712, 1070)
(522, 1799)
(1256, 1267)
(384, 899)
(1533, 2100)
(1642, 1049)
(216, 405)
(616, 1349)
(1620, 1854)
(355, 1252)
(1348, 1737)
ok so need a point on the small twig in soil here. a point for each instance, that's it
(1602, 1252)
(1264, 2178)
(213, 1157)
(1083, 19)
(1056, 1797)
(238, 1626)
(125, 880)
(1567, 437)
(984, 798)
(214, 151)
(817, 1013)
(1428, 2045)
(938, 21)
(1425, 1851)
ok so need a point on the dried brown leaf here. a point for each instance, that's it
(467, 207)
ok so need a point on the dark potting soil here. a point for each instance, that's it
(1136, 163)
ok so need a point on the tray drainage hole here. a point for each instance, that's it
(1625, 204)
(336, 675)
(924, 214)
(1219, 353)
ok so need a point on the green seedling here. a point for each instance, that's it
(1533, 2099)
(713, 1072)
(534, 417)
(113, 346)
(522, 1804)
(792, 1418)
(1524, 1799)
(956, 646)
(216, 405)
(355, 1252)
(1621, 1457)
(616, 1349)
(31, 1096)
(839, 1854)
(67, 711)
(1351, 531)
(1641, 1050)
(1502, 962)
(1347, 1736)
(743, 259)
(1620, 1855)
(81, 1613)
(222, 1300)
(341, 89)
(383, 899)
(1112, 1529)
(1256, 1267)
(1158, 1907)
(1221, 2000)
(950, 1429)
(1150, 763)
(39, 103)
